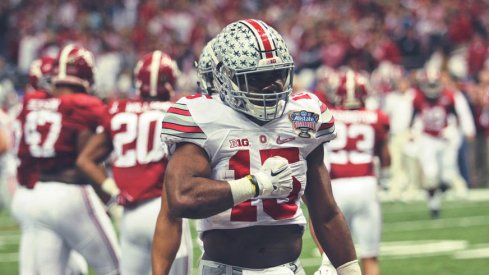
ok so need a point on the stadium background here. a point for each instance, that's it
(360, 33)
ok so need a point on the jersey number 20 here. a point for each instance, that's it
(136, 140)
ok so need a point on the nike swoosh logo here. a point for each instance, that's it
(278, 172)
(285, 140)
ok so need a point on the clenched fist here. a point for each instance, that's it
(274, 179)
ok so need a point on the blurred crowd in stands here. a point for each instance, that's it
(451, 34)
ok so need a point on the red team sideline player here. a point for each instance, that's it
(131, 131)
(28, 175)
(67, 213)
(439, 138)
(362, 135)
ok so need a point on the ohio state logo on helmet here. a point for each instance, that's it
(74, 65)
(155, 75)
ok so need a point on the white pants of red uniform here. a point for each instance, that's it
(358, 200)
(21, 209)
(70, 217)
(438, 160)
(137, 229)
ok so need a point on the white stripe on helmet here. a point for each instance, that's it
(154, 69)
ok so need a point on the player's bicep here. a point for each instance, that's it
(187, 162)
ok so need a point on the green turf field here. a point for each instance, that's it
(412, 243)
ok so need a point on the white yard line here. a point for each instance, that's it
(9, 257)
(477, 253)
(436, 224)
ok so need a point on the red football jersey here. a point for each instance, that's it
(27, 170)
(360, 133)
(434, 113)
(139, 159)
(51, 126)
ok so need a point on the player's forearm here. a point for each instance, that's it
(163, 254)
(3, 142)
(335, 238)
(166, 242)
(198, 197)
(91, 170)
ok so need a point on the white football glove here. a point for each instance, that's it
(110, 187)
(326, 267)
(274, 179)
(326, 270)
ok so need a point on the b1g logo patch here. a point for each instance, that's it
(239, 142)
(304, 122)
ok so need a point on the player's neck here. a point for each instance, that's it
(257, 121)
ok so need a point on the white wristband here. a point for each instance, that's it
(349, 268)
(242, 190)
(110, 187)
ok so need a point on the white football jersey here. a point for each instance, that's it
(237, 147)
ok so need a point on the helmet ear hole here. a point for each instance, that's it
(40, 73)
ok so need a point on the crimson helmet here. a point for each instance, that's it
(253, 69)
(155, 75)
(429, 82)
(40, 72)
(74, 65)
(352, 90)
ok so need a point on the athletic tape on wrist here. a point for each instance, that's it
(242, 190)
(349, 268)
(110, 187)
(254, 182)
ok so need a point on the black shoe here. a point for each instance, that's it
(444, 187)
(435, 213)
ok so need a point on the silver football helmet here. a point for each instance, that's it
(252, 68)
(205, 77)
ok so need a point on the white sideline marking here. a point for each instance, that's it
(421, 248)
(442, 223)
(458, 249)
(436, 224)
(9, 239)
(477, 253)
(9, 257)
(473, 195)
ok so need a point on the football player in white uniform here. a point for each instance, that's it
(204, 70)
(242, 164)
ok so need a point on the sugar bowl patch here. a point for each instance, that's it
(304, 122)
